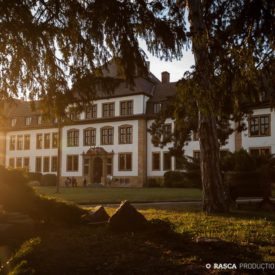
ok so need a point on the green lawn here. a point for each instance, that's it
(245, 237)
(116, 195)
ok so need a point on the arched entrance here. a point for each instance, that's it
(98, 163)
(97, 169)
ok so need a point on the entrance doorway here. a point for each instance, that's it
(97, 169)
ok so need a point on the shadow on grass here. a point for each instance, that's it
(97, 250)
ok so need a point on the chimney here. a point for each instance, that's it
(165, 77)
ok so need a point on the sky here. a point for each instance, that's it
(175, 68)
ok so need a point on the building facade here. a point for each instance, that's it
(111, 138)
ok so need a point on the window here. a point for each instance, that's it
(91, 112)
(86, 167)
(54, 140)
(28, 121)
(109, 166)
(26, 163)
(196, 154)
(47, 140)
(46, 164)
(167, 132)
(157, 108)
(167, 161)
(259, 126)
(126, 108)
(72, 163)
(125, 162)
(54, 164)
(39, 140)
(38, 164)
(72, 138)
(125, 134)
(12, 143)
(13, 122)
(20, 142)
(26, 142)
(195, 135)
(107, 135)
(74, 115)
(18, 162)
(108, 109)
(156, 161)
(11, 163)
(260, 151)
(39, 120)
(89, 137)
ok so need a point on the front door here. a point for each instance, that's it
(97, 170)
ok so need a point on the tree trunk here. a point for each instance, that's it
(215, 193)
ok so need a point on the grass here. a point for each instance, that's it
(169, 247)
(116, 195)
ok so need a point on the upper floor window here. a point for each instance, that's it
(20, 142)
(12, 142)
(91, 112)
(108, 109)
(47, 141)
(107, 135)
(125, 134)
(167, 132)
(259, 126)
(89, 137)
(126, 108)
(26, 142)
(39, 140)
(55, 140)
(72, 138)
(74, 115)
(28, 121)
(125, 162)
(13, 122)
(157, 108)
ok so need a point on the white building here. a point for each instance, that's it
(111, 137)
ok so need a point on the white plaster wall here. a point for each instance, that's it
(32, 153)
(268, 141)
(116, 148)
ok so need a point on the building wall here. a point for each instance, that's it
(2, 148)
(32, 153)
(115, 148)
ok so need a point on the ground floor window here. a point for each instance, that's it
(260, 151)
(54, 164)
(18, 162)
(38, 164)
(86, 167)
(26, 163)
(167, 161)
(11, 163)
(125, 162)
(156, 161)
(109, 166)
(72, 163)
(196, 154)
(46, 164)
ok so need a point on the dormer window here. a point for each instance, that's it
(126, 108)
(91, 112)
(13, 122)
(28, 121)
(157, 108)
(39, 120)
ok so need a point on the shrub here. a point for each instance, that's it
(16, 195)
(34, 176)
(179, 179)
(49, 180)
(152, 182)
